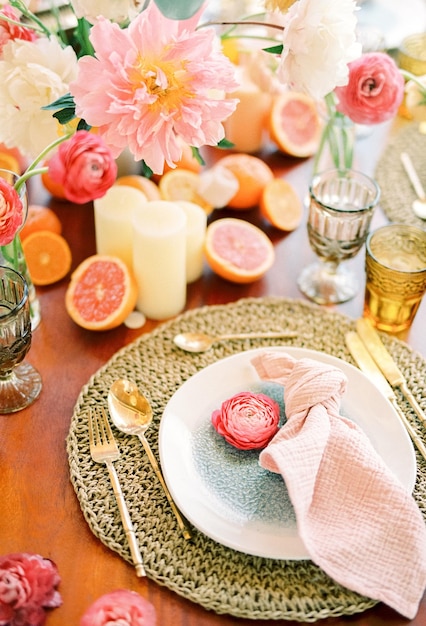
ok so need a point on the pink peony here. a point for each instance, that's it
(27, 586)
(375, 89)
(247, 420)
(152, 83)
(10, 32)
(11, 212)
(84, 166)
(121, 607)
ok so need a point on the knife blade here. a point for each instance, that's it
(366, 363)
(386, 364)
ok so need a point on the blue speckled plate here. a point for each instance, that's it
(223, 491)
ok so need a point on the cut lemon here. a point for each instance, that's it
(182, 184)
(281, 205)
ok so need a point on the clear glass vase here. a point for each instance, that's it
(12, 254)
(337, 145)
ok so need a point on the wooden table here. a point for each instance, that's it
(39, 511)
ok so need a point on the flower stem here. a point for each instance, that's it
(32, 170)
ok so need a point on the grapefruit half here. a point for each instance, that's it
(101, 294)
(237, 250)
(294, 124)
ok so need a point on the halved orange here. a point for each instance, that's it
(48, 257)
(252, 174)
(237, 250)
(101, 294)
(182, 184)
(40, 218)
(144, 184)
(9, 162)
(294, 124)
(281, 205)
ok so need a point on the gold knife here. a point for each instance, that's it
(368, 366)
(383, 359)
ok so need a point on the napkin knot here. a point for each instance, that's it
(354, 516)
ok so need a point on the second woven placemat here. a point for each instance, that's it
(203, 571)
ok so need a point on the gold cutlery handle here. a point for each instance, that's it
(181, 522)
(413, 402)
(126, 521)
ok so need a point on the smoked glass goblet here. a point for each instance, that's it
(340, 210)
(20, 383)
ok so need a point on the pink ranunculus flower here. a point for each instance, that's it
(27, 587)
(375, 89)
(121, 607)
(84, 166)
(11, 213)
(9, 31)
(164, 82)
(247, 421)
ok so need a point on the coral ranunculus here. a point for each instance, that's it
(375, 89)
(164, 80)
(27, 586)
(11, 212)
(121, 607)
(84, 166)
(247, 421)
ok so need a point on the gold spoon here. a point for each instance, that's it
(132, 414)
(419, 205)
(201, 342)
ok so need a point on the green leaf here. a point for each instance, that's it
(64, 102)
(179, 9)
(274, 49)
(64, 115)
(225, 144)
(196, 154)
(146, 170)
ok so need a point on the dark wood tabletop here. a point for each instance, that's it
(39, 511)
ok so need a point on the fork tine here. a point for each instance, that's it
(105, 427)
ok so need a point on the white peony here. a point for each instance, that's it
(319, 41)
(32, 75)
(119, 11)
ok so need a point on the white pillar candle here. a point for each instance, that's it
(113, 221)
(196, 224)
(159, 258)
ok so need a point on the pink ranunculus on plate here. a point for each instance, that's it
(247, 420)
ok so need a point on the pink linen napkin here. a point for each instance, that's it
(355, 518)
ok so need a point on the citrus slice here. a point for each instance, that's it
(40, 218)
(252, 174)
(101, 294)
(182, 184)
(237, 250)
(144, 184)
(9, 162)
(294, 124)
(281, 205)
(48, 257)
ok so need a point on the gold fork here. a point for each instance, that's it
(104, 449)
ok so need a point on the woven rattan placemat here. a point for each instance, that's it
(204, 571)
(397, 192)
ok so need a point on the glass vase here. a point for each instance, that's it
(12, 255)
(337, 145)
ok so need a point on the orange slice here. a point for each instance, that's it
(237, 250)
(40, 218)
(294, 124)
(281, 205)
(182, 184)
(252, 174)
(55, 189)
(48, 257)
(146, 185)
(9, 162)
(101, 294)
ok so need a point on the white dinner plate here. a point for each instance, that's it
(395, 19)
(223, 491)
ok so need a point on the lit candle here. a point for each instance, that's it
(196, 224)
(159, 258)
(113, 221)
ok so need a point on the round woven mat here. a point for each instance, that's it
(204, 571)
(397, 191)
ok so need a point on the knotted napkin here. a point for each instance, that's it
(355, 518)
